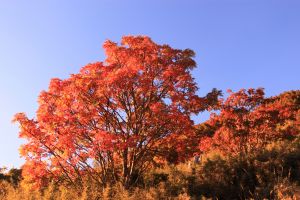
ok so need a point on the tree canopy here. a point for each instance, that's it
(115, 118)
(247, 121)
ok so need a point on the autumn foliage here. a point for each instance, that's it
(247, 121)
(115, 119)
(122, 129)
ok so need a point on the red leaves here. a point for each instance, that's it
(114, 119)
(247, 120)
(120, 114)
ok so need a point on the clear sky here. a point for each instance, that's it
(238, 44)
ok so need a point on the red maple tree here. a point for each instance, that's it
(112, 120)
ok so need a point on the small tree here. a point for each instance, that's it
(114, 119)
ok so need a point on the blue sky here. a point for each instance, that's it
(238, 44)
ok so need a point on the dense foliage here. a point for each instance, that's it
(272, 173)
(114, 120)
(248, 121)
(122, 129)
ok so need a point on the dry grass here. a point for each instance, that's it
(273, 173)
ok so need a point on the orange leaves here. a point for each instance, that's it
(247, 120)
(119, 114)
(105, 141)
(91, 69)
(157, 107)
(19, 117)
(35, 172)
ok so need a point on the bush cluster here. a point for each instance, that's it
(270, 173)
